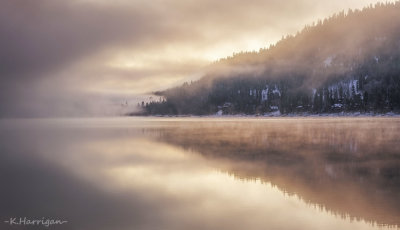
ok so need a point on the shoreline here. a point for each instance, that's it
(272, 115)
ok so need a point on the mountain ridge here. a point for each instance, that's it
(349, 62)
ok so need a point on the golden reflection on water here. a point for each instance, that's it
(349, 166)
(205, 194)
(235, 173)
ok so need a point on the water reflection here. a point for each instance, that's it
(350, 167)
(203, 173)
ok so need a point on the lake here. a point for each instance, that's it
(201, 173)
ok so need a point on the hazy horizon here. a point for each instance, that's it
(86, 57)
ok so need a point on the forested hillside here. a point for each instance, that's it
(349, 62)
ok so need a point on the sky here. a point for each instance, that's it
(88, 57)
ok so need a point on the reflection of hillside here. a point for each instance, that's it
(349, 167)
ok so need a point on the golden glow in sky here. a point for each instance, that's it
(90, 48)
(207, 36)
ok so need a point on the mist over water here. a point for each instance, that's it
(202, 173)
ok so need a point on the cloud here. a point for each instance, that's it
(51, 47)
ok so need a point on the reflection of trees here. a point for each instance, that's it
(350, 167)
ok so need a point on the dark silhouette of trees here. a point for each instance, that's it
(348, 62)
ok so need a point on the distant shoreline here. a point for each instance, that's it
(342, 114)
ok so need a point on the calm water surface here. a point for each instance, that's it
(202, 173)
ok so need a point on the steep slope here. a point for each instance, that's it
(348, 62)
